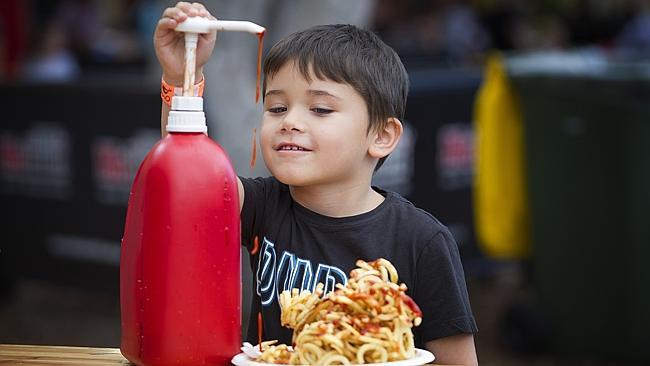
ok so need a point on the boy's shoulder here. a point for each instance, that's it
(395, 213)
(412, 218)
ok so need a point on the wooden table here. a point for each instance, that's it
(11, 354)
(58, 355)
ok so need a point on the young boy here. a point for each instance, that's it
(333, 100)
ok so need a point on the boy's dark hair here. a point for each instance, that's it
(346, 54)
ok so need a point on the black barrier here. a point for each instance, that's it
(433, 165)
(587, 145)
(68, 154)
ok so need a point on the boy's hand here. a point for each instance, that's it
(170, 45)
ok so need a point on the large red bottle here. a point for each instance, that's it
(180, 275)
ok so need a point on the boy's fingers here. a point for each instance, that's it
(200, 9)
(208, 37)
(174, 13)
(185, 9)
(188, 9)
(169, 12)
(203, 11)
(199, 6)
(167, 23)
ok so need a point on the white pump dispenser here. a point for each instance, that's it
(186, 114)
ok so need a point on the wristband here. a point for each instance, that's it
(167, 91)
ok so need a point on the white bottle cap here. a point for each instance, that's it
(194, 104)
(187, 115)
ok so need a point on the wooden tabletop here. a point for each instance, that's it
(11, 354)
(58, 355)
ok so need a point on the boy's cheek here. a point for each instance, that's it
(265, 126)
(264, 139)
(265, 148)
(266, 133)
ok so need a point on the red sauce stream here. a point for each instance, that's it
(256, 245)
(254, 148)
(260, 43)
(260, 325)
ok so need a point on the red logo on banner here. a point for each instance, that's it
(36, 162)
(455, 156)
(115, 162)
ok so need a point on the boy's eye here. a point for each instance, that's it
(277, 109)
(321, 110)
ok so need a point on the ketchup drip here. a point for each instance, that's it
(256, 245)
(254, 148)
(260, 43)
(260, 326)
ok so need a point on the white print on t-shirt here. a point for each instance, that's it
(275, 276)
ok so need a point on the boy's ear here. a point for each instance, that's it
(385, 139)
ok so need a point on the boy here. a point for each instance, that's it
(333, 99)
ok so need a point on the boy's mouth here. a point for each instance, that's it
(290, 147)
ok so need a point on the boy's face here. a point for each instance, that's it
(314, 133)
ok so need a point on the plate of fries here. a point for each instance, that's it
(367, 321)
(421, 357)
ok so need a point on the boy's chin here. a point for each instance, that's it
(291, 180)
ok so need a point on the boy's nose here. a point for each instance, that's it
(291, 122)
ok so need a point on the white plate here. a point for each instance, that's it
(421, 357)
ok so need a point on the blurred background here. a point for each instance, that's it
(527, 133)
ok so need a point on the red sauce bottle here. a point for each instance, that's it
(180, 269)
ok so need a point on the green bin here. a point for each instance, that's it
(588, 164)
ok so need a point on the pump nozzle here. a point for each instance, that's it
(192, 27)
(187, 111)
(204, 25)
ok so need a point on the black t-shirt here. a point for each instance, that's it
(299, 248)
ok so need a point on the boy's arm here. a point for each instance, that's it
(240, 189)
(164, 113)
(170, 47)
(454, 350)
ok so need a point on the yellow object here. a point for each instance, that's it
(500, 195)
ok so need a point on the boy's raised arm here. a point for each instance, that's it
(170, 47)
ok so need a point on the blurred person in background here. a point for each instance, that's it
(60, 34)
(465, 37)
(74, 38)
(52, 60)
(437, 32)
(393, 21)
(13, 37)
(595, 22)
(517, 25)
(634, 38)
(501, 19)
(13, 34)
(542, 31)
(103, 34)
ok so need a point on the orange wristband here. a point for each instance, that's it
(168, 91)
